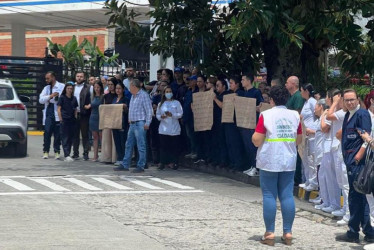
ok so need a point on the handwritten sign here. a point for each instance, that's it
(202, 108)
(245, 111)
(228, 108)
(110, 116)
(265, 106)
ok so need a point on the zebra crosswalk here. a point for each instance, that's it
(89, 184)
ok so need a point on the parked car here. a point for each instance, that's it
(13, 119)
(17, 67)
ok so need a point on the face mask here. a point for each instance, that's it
(168, 95)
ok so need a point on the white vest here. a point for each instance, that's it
(278, 152)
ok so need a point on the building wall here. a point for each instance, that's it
(36, 40)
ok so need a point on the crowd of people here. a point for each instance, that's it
(158, 121)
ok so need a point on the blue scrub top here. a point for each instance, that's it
(351, 140)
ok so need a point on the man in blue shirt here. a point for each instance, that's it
(140, 118)
(353, 148)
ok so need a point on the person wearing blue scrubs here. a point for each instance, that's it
(353, 149)
(233, 138)
(250, 150)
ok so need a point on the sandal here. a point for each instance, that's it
(287, 240)
(267, 241)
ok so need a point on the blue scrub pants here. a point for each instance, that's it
(358, 207)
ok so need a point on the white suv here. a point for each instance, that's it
(13, 119)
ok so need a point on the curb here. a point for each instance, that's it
(302, 195)
(35, 132)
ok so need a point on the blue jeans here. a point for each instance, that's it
(358, 207)
(273, 185)
(136, 136)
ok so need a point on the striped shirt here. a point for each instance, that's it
(140, 108)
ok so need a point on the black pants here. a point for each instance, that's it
(51, 127)
(235, 146)
(169, 150)
(249, 148)
(81, 128)
(202, 144)
(155, 140)
(223, 150)
(67, 134)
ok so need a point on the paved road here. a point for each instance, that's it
(84, 205)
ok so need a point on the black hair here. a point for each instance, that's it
(202, 76)
(170, 74)
(67, 85)
(333, 92)
(249, 77)
(159, 71)
(98, 82)
(187, 72)
(350, 91)
(223, 81)
(236, 79)
(114, 80)
(309, 87)
(52, 73)
(121, 84)
(279, 94)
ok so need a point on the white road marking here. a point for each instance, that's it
(16, 185)
(111, 183)
(141, 183)
(49, 184)
(82, 184)
(105, 192)
(171, 183)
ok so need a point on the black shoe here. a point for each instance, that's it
(75, 157)
(345, 238)
(85, 157)
(369, 239)
(161, 167)
(146, 166)
(138, 170)
(120, 168)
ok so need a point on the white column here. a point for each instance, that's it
(18, 40)
(156, 61)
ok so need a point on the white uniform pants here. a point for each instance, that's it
(370, 199)
(329, 188)
(341, 176)
(309, 167)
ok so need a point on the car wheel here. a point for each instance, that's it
(21, 149)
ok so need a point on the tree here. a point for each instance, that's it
(288, 36)
(73, 57)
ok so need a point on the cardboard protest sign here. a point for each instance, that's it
(245, 112)
(265, 106)
(228, 108)
(202, 108)
(110, 116)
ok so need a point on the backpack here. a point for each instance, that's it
(364, 181)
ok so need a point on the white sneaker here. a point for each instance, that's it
(316, 200)
(188, 156)
(302, 185)
(253, 172)
(117, 163)
(247, 171)
(329, 209)
(310, 188)
(69, 159)
(342, 222)
(369, 246)
(338, 213)
(57, 156)
(45, 155)
(319, 207)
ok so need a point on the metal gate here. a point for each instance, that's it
(28, 77)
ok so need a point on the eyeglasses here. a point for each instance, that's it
(349, 100)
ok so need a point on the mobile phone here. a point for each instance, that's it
(360, 131)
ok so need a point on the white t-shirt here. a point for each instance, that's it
(335, 127)
(308, 112)
(327, 139)
(77, 91)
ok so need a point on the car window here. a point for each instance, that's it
(6, 93)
